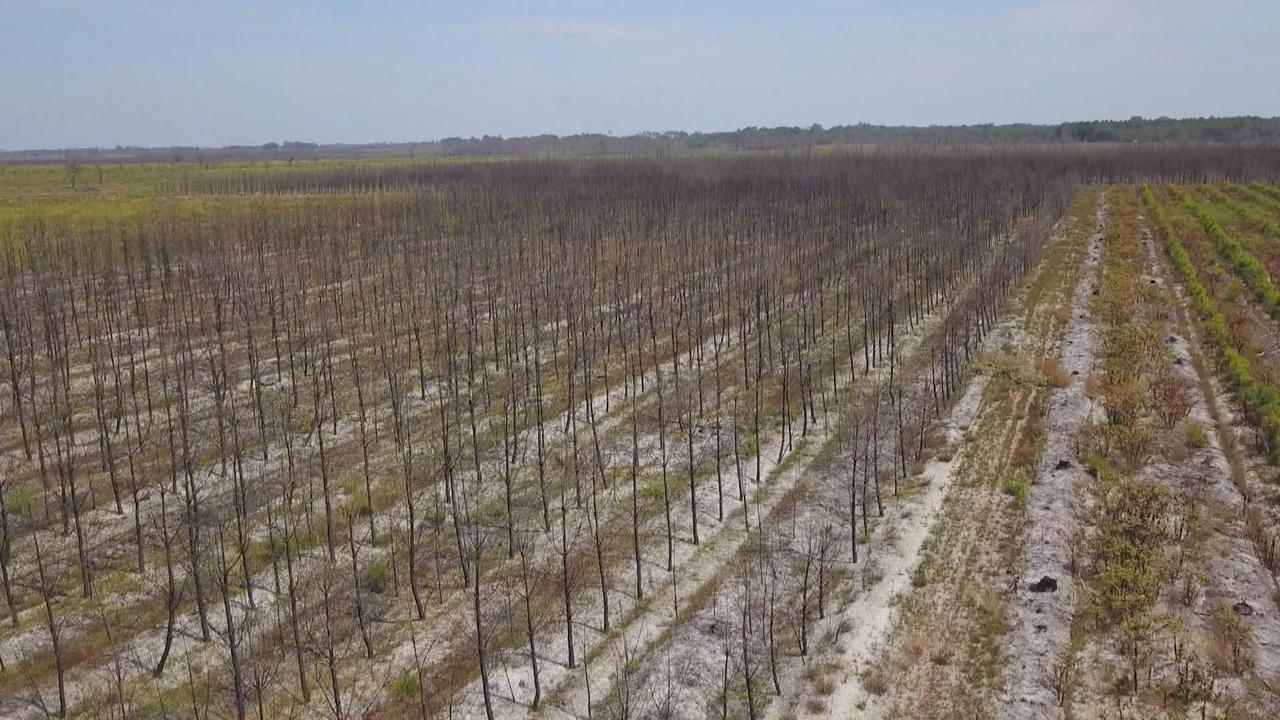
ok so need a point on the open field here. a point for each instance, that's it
(928, 434)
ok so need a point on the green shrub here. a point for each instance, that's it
(1232, 638)
(1124, 402)
(1015, 485)
(919, 577)
(1134, 443)
(1196, 437)
(23, 499)
(362, 506)
(377, 576)
(1130, 519)
(406, 683)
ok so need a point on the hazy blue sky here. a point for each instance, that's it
(161, 72)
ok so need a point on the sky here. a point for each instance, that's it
(100, 73)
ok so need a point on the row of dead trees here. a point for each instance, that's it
(531, 371)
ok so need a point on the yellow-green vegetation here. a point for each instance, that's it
(79, 180)
(1137, 385)
(1259, 218)
(1129, 562)
(1260, 399)
(85, 179)
(82, 195)
(1245, 264)
(1196, 438)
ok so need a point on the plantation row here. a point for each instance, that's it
(1234, 296)
(1239, 339)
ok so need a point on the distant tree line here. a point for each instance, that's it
(1243, 129)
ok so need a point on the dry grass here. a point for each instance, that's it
(913, 647)
(1230, 640)
(1053, 373)
(1062, 314)
(1266, 543)
(1094, 385)
(875, 682)
(1028, 447)
(990, 605)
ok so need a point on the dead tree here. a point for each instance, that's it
(529, 624)
(230, 638)
(355, 588)
(46, 591)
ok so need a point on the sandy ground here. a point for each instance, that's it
(872, 614)
(1040, 621)
(696, 567)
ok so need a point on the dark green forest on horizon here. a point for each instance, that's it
(1243, 129)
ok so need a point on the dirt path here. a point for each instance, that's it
(1041, 610)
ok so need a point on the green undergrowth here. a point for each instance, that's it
(1260, 398)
